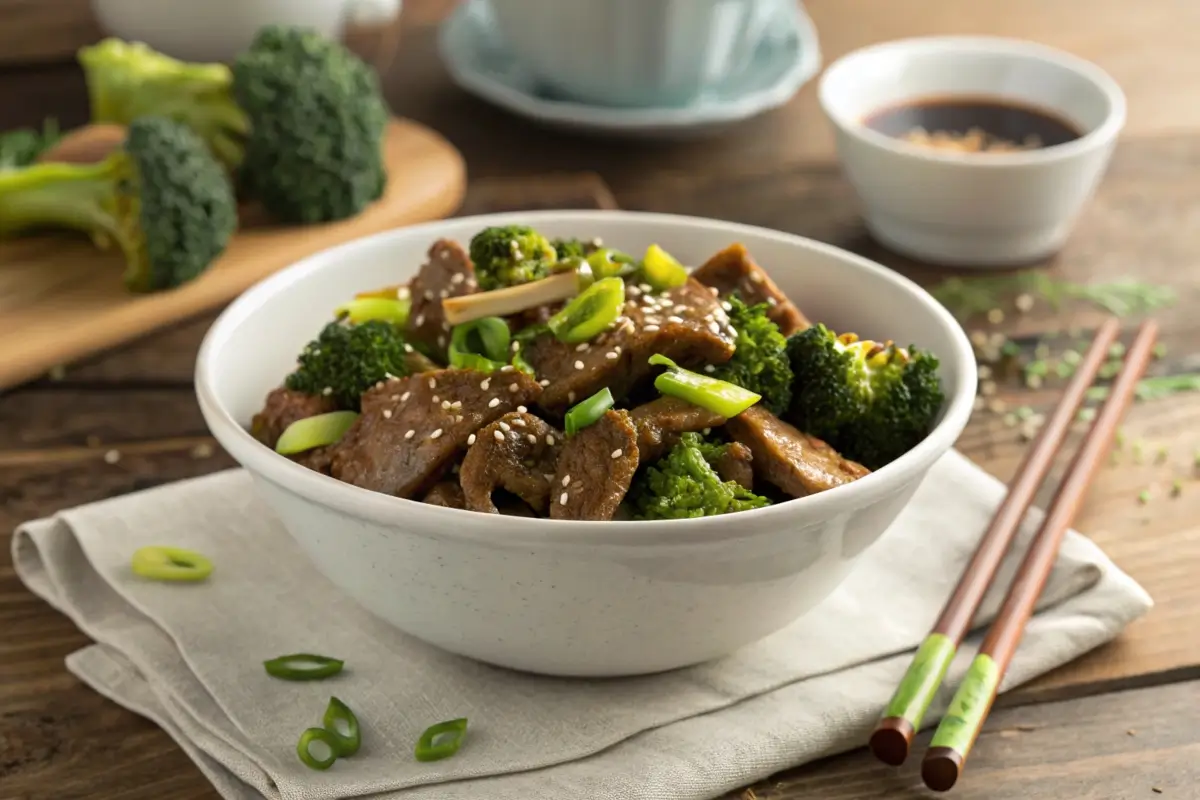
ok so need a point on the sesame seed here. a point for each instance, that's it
(495, 401)
(436, 434)
(645, 287)
(328, 390)
(562, 499)
(617, 349)
(611, 355)
(485, 383)
(566, 481)
(756, 277)
(504, 427)
(709, 368)
(706, 431)
(456, 278)
(471, 439)
(617, 453)
(713, 291)
(995, 316)
(650, 320)
(394, 398)
(112, 456)
(446, 405)
(408, 347)
(428, 294)
(675, 319)
(532, 439)
(404, 397)
(410, 434)
(549, 440)
(733, 331)
(726, 305)
(522, 409)
(498, 436)
(570, 397)
(516, 347)
(507, 368)
(518, 423)
(379, 384)
(441, 340)
(436, 399)
(444, 293)
(650, 328)
(771, 301)
(582, 347)
(432, 383)
(714, 327)
(420, 320)
(387, 413)
(512, 387)
(578, 365)
(544, 382)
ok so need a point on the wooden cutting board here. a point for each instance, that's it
(61, 299)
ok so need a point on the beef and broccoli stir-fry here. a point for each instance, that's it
(569, 380)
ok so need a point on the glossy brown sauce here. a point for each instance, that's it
(973, 124)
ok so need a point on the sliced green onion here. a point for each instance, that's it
(608, 263)
(364, 309)
(661, 270)
(475, 362)
(441, 740)
(170, 564)
(341, 722)
(480, 344)
(588, 412)
(590, 313)
(305, 434)
(323, 739)
(718, 396)
(303, 667)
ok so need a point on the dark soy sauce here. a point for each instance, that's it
(973, 124)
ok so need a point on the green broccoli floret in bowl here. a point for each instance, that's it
(760, 361)
(683, 484)
(872, 401)
(346, 360)
(510, 254)
(162, 199)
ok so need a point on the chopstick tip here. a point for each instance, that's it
(940, 768)
(891, 739)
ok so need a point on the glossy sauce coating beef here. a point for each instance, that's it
(686, 324)
(282, 408)
(660, 422)
(797, 463)
(447, 273)
(736, 464)
(733, 270)
(595, 469)
(517, 453)
(411, 429)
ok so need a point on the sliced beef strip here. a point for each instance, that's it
(411, 429)
(516, 453)
(447, 273)
(733, 270)
(446, 493)
(797, 463)
(660, 422)
(736, 464)
(283, 407)
(595, 469)
(686, 324)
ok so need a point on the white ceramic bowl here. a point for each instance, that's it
(965, 209)
(633, 52)
(576, 598)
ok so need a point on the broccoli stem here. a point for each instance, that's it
(77, 197)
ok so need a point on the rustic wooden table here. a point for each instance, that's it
(1122, 722)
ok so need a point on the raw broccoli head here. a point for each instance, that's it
(683, 484)
(760, 360)
(128, 80)
(346, 360)
(510, 254)
(872, 401)
(317, 120)
(163, 199)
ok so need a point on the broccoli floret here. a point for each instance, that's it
(21, 147)
(346, 360)
(162, 198)
(571, 248)
(760, 362)
(684, 484)
(510, 254)
(128, 80)
(317, 121)
(872, 401)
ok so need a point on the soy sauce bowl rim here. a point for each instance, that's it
(953, 46)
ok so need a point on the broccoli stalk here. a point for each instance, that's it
(128, 80)
(760, 360)
(509, 255)
(163, 199)
(346, 360)
(871, 401)
(683, 484)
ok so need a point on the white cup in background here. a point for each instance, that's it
(217, 30)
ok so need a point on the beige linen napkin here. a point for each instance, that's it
(189, 657)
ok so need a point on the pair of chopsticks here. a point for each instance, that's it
(958, 730)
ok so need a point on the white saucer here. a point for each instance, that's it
(479, 63)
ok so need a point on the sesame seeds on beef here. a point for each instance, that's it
(516, 453)
(595, 468)
(733, 270)
(448, 272)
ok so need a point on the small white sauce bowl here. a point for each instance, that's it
(971, 209)
(577, 598)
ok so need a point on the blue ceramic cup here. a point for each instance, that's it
(633, 53)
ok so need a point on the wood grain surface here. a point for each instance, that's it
(1119, 723)
(62, 300)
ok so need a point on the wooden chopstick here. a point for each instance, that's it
(960, 727)
(902, 718)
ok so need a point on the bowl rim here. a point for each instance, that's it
(262, 462)
(955, 46)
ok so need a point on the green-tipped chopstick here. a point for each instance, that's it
(902, 718)
(956, 734)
